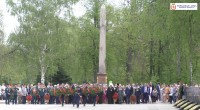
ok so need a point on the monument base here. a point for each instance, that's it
(102, 78)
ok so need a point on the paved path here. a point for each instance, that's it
(158, 106)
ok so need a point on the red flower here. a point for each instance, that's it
(28, 97)
(115, 96)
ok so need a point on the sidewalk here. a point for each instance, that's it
(156, 106)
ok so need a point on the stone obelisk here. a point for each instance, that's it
(101, 75)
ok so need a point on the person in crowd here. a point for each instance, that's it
(84, 94)
(150, 92)
(154, 95)
(42, 92)
(138, 94)
(24, 93)
(15, 93)
(145, 93)
(78, 96)
(128, 94)
(172, 92)
(120, 94)
(105, 99)
(133, 97)
(34, 93)
(110, 93)
(2, 91)
(181, 91)
(175, 96)
(158, 88)
(162, 92)
(7, 92)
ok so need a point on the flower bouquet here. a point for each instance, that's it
(11, 93)
(133, 99)
(58, 92)
(93, 91)
(71, 91)
(46, 98)
(115, 97)
(52, 92)
(29, 98)
(85, 91)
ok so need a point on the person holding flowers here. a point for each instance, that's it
(63, 92)
(93, 92)
(77, 96)
(84, 94)
(42, 91)
(34, 93)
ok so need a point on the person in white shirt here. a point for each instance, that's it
(172, 92)
(24, 94)
(3, 87)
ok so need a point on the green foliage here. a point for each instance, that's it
(61, 77)
(145, 42)
(154, 79)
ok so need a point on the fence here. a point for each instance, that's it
(193, 94)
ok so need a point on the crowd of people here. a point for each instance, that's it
(91, 93)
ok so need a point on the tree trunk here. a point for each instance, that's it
(159, 63)
(151, 59)
(129, 64)
(43, 66)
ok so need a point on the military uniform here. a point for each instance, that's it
(78, 96)
(15, 92)
(7, 92)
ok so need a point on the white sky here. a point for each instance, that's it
(10, 22)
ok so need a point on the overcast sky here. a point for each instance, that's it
(10, 22)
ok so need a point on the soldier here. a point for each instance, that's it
(7, 92)
(78, 96)
(15, 92)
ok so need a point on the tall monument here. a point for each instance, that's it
(101, 75)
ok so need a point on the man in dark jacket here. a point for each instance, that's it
(42, 92)
(78, 96)
(158, 90)
(110, 92)
(15, 91)
(128, 94)
(7, 92)
(138, 94)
